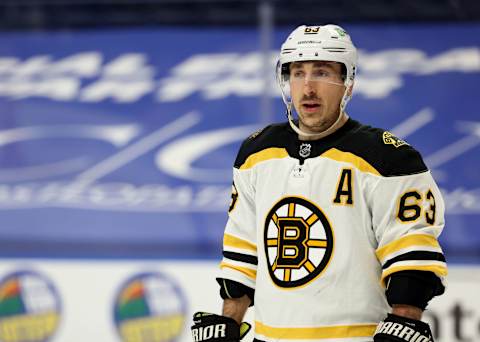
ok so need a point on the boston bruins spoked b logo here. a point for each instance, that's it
(298, 242)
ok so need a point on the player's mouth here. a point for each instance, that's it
(310, 107)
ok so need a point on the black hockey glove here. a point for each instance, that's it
(402, 329)
(213, 328)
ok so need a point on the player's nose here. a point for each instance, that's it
(308, 87)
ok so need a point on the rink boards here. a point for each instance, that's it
(88, 299)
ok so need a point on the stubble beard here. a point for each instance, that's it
(316, 122)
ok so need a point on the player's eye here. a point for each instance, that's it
(298, 74)
(321, 73)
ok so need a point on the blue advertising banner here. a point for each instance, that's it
(119, 144)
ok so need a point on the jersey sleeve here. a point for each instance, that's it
(239, 261)
(407, 218)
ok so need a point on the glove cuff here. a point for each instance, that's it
(215, 328)
(402, 329)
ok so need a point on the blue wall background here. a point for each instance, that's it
(119, 144)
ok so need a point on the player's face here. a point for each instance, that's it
(317, 89)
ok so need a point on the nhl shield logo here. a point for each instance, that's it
(305, 150)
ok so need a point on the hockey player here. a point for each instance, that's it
(333, 225)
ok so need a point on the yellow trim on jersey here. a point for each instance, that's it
(246, 271)
(317, 243)
(405, 242)
(273, 242)
(233, 241)
(339, 331)
(347, 157)
(263, 155)
(291, 209)
(439, 270)
(312, 219)
(309, 266)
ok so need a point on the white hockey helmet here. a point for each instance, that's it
(317, 43)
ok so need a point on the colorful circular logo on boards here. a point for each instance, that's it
(150, 308)
(29, 307)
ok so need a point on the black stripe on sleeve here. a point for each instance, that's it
(417, 255)
(250, 259)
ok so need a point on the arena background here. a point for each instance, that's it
(119, 124)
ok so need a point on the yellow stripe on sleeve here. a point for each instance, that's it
(233, 241)
(313, 333)
(405, 242)
(246, 271)
(263, 155)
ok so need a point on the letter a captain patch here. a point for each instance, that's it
(344, 193)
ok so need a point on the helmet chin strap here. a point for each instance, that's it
(341, 119)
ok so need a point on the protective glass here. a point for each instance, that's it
(320, 75)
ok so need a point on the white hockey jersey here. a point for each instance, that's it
(316, 227)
